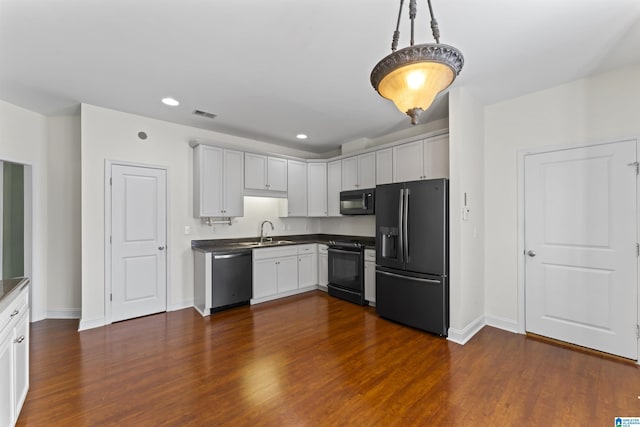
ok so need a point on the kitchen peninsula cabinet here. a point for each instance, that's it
(424, 159)
(218, 182)
(14, 349)
(265, 173)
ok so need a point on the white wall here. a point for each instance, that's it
(466, 237)
(112, 135)
(597, 109)
(23, 137)
(63, 186)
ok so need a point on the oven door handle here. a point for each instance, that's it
(342, 251)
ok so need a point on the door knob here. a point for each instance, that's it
(531, 253)
(160, 248)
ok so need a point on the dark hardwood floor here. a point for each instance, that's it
(312, 360)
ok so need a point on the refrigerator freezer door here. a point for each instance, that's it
(389, 213)
(420, 302)
(426, 227)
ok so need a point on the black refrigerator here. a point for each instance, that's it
(412, 254)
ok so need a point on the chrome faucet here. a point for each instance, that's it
(262, 229)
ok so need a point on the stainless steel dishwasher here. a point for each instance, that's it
(231, 283)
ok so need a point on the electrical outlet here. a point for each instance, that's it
(187, 230)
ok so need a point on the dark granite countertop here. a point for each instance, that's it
(244, 244)
(8, 286)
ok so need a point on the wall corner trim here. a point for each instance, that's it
(90, 324)
(462, 336)
(508, 325)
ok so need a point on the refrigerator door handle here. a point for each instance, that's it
(405, 223)
(417, 279)
(401, 225)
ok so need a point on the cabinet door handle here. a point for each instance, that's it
(160, 248)
(19, 339)
(14, 313)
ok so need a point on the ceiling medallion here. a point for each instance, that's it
(412, 77)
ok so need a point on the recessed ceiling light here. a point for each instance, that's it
(301, 136)
(170, 101)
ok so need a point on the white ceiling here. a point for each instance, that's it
(272, 69)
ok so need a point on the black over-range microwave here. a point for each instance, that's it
(358, 202)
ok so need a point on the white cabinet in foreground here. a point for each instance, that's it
(14, 356)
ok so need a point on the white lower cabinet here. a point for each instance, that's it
(283, 271)
(14, 357)
(287, 274)
(307, 265)
(370, 276)
(6, 376)
(323, 266)
(265, 277)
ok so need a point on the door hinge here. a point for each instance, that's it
(110, 297)
(638, 249)
(110, 181)
(110, 240)
(635, 165)
(638, 332)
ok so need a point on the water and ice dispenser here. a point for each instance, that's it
(389, 242)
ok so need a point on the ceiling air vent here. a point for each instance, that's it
(204, 114)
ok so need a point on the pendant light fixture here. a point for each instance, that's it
(413, 76)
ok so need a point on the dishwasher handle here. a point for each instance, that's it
(235, 255)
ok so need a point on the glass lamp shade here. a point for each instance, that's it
(412, 77)
(415, 86)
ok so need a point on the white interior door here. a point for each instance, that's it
(580, 244)
(138, 240)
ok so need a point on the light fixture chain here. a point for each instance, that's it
(434, 24)
(412, 16)
(396, 33)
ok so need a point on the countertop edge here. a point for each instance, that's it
(15, 286)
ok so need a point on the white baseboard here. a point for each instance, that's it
(180, 305)
(63, 313)
(90, 324)
(462, 336)
(502, 323)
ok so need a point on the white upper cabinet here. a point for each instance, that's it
(297, 194)
(334, 186)
(384, 166)
(407, 162)
(350, 173)
(359, 172)
(218, 182)
(425, 159)
(436, 157)
(276, 174)
(317, 189)
(265, 172)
